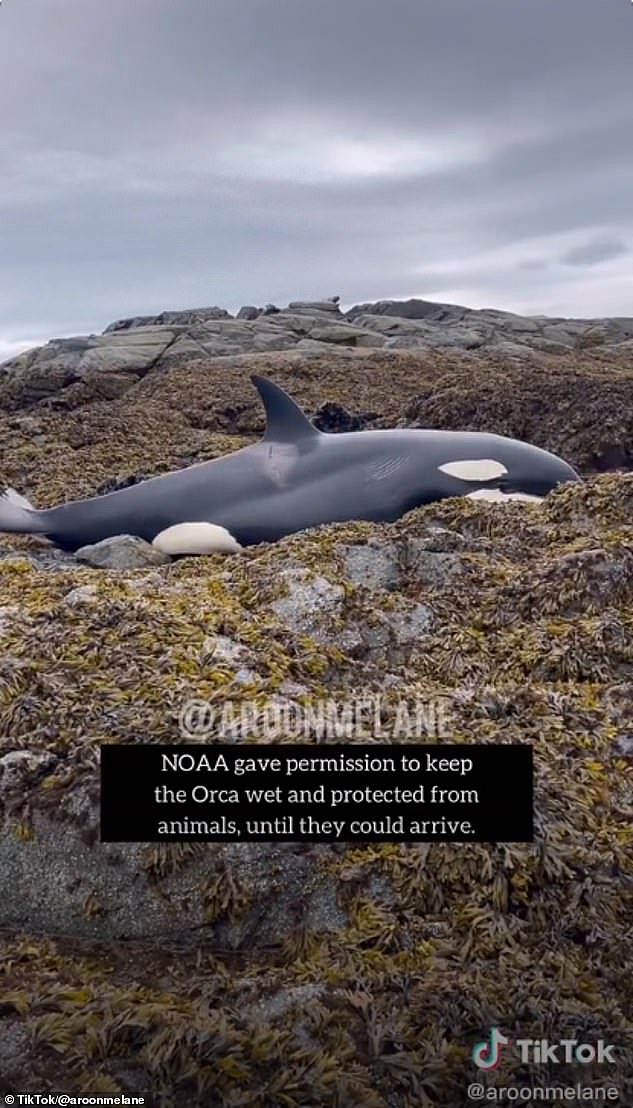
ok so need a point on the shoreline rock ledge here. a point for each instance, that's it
(130, 348)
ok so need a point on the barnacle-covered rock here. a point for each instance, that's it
(317, 975)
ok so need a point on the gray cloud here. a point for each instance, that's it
(593, 253)
(160, 155)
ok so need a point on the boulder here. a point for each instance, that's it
(121, 552)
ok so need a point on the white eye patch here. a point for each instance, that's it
(196, 538)
(474, 469)
(499, 497)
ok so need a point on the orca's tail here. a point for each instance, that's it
(18, 514)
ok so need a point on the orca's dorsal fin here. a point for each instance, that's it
(285, 422)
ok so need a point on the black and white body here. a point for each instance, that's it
(294, 478)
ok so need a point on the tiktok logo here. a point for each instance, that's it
(486, 1054)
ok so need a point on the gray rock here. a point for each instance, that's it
(560, 334)
(132, 1079)
(373, 566)
(623, 746)
(60, 363)
(281, 323)
(330, 306)
(106, 385)
(289, 884)
(225, 649)
(44, 556)
(265, 339)
(295, 996)
(390, 326)
(549, 347)
(220, 648)
(513, 349)
(180, 318)
(521, 324)
(440, 540)
(187, 348)
(263, 342)
(370, 340)
(246, 676)
(134, 352)
(430, 568)
(83, 594)
(17, 765)
(147, 580)
(29, 381)
(8, 613)
(122, 552)
(409, 309)
(388, 636)
(292, 688)
(411, 333)
(72, 371)
(310, 604)
(317, 607)
(30, 426)
(343, 333)
(411, 622)
(625, 347)
(15, 1048)
(392, 681)
(313, 346)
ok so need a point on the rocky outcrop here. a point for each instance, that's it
(421, 323)
(66, 372)
(410, 309)
(105, 365)
(315, 974)
(275, 964)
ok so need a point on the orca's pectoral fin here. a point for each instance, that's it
(285, 422)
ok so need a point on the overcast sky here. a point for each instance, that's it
(160, 154)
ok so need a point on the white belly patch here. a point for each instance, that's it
(498, 497)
